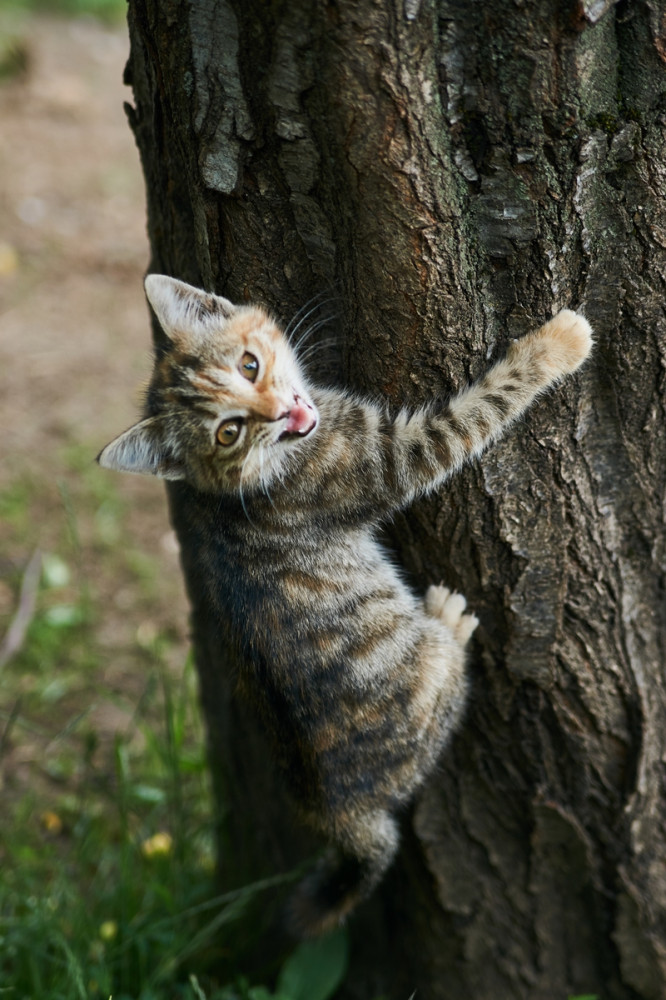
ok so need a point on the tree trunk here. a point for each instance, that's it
(456, 171)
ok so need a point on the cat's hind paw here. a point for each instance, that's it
(449, 608)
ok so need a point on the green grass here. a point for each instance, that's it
(109, 891)
(96, 898)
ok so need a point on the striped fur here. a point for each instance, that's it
(359, 682)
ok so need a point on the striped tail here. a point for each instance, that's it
(341, 880)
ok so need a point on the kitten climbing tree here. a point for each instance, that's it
(455, 172)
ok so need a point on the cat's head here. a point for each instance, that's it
(227, 400)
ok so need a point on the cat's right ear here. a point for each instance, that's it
(144, 449)
(185, 312)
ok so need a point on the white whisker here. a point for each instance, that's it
(320, 345)
(312, 329)
(320, 305)
(314, 302)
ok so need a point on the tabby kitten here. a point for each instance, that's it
(358, 681)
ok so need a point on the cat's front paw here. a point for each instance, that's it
(566, 340)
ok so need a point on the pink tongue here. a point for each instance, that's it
(300, 419)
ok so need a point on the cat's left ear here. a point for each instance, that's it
(144, 448)
(186, 312)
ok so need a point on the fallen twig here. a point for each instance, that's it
(25, 611)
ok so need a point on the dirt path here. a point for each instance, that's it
(74, 349)
(72, 209)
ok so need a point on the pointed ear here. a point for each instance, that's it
(143, 448)
(186, 312)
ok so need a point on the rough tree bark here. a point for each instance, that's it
(457, 170)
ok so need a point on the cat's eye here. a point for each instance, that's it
(228, 432)
(249, 366)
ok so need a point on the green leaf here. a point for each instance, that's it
(148, 793)
(586, 996)
(316, 968)
(55, 571)
(63, 615)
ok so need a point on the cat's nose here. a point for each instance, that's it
(273, 408)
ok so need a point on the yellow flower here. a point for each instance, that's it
(9, 259)
(108, 930)
(51, 822)
(159, 845)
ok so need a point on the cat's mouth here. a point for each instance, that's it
(301, 420)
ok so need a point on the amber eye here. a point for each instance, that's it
(249, 366)
(227, 432)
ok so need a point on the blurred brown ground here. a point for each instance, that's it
(74, 351)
